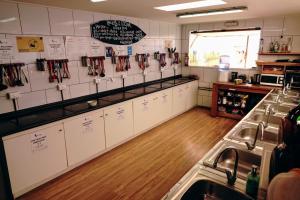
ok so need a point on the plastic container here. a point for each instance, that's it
(252, 182)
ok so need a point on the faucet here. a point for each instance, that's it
(269, 111)
(231, 177)
(260, 126)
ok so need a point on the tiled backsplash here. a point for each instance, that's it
(272, 28)
(55, 24)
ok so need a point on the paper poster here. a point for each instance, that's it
(39, 142)
(30, 44)
(76, 47)
(96, 48)
(120, 114)
(87, 126)
(6, 49)
(145, 106)
(55, 48)
(129, 50)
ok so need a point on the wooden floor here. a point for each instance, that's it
(143, 168)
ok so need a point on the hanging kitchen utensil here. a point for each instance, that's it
(66, 73)
(162, 60)
(89, 64)
(101, 61)
(40, 64)
(84, 61)
(50, 69)
(113, 58)
(176, 59)
(19, 75)
(127, 63)
(2, 85)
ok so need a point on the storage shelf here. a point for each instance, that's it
(283, 64)
(279, 54)
(229, 115)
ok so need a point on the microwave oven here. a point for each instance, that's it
(272, 79)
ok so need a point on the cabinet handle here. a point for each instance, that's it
(101, 116)
(60, 130)
(231, 89)
(155, 98)
(106, 115)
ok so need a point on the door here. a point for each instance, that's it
(35, 156)
(118, 123)
(179, 99)
(142, 111)
(84, 136)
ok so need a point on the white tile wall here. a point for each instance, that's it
(61, 21)
(163, 30)
(114, 83)
(78, 90)
(31, 99)
(100, 17)
(273, 26)
(291, 25)
(9, 13)
(53, 95)
(34, 19)
(5, 105)
(82, 21)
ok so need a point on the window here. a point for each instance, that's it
(224, 49)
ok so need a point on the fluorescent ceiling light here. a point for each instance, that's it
(213, 12)
(97, 1)
(8, 20)
(195, 4)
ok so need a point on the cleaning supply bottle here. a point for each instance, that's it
(252, 182)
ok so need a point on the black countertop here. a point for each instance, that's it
(14, 122)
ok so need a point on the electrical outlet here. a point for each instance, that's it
(61, 87)
(14, 95)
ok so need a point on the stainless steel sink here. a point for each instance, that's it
(288, 93)
(292, 101)
(257, 117)
(278, 108)
(226, 161)
(210, 190)
(246, 133)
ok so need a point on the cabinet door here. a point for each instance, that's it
(35, 156)
(192, 91)
(179, 99)
(84, 136)
(163, 105)
(118, 123)
(142, 112)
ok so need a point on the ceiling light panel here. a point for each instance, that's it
(95, 1)
(213, 12)
(190, 5)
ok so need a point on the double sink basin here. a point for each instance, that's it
(244, 132)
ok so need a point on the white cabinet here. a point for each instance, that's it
(179, 99)
(152, 109)
(142, 112)
(84, 136)
(118, 123)
(192, 94)
(162, 103)
(34, 156)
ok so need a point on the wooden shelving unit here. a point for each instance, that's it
(238, 90)
(283, 64)
(279, 54)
